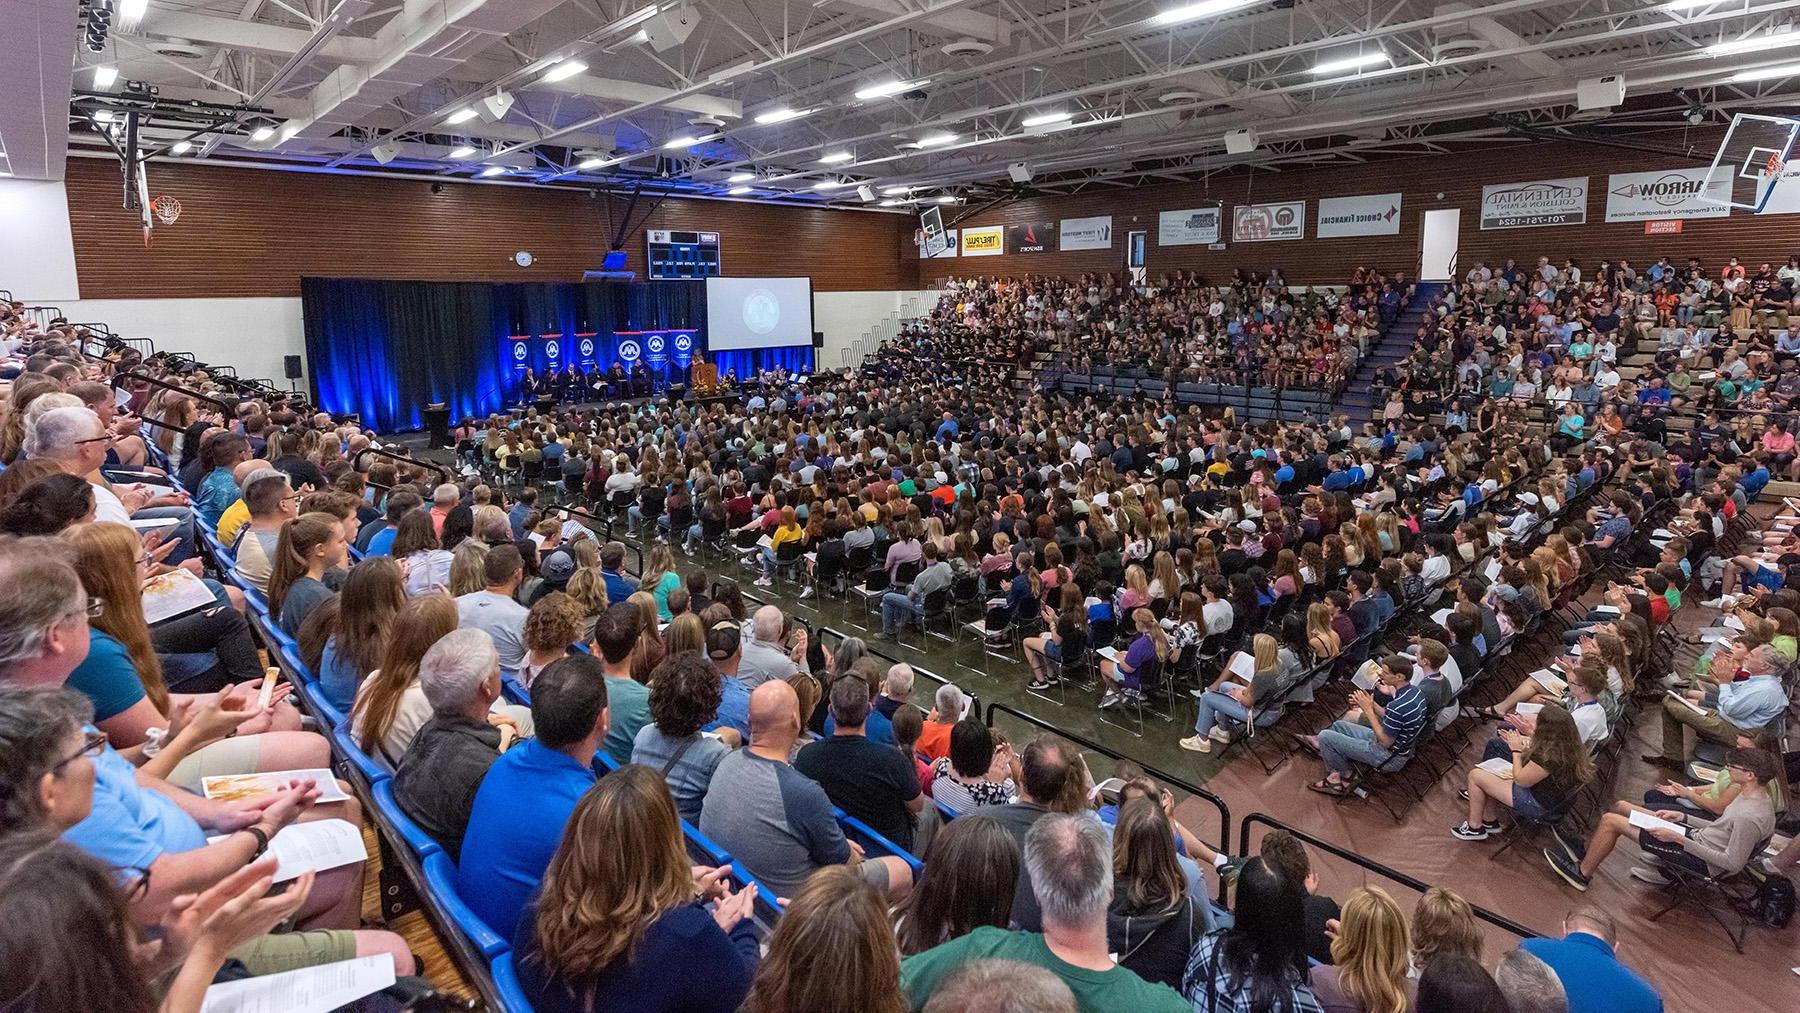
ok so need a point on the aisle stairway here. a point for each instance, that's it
(1395, 344)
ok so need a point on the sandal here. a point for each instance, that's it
(1327, 787)
(1300, 740)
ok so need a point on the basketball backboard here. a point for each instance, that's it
(1752, 156)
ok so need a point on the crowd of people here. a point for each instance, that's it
(1257, 567)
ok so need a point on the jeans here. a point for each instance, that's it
(897, 608)
(1213, 704)
(633, 517)
(181, 534)
(218, 630)
(1345, 743)
(693, 535)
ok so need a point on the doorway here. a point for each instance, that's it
(1137, 244)
(1437, 246)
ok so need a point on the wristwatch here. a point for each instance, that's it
(262, 841)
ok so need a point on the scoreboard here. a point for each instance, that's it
(678, 254)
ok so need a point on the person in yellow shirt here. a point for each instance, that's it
(238, 514)
(788, 530)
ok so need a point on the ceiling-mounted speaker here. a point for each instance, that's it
(493, 108)
(1241, 141)
(385, 153)
(1600, 92)
(1020, 172)
(866, 192)
(671, 28)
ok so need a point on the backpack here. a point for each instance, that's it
(1774, 901)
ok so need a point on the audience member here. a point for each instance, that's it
(436, 781)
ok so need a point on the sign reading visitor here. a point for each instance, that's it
(1533, 203)
(1192, 227)
(1668, 194)
(1086, 233)
(1261, 223)
(1375, 214)
(1032, 237)
(986, 241)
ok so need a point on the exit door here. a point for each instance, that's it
(1437, 245)
(1137, 245)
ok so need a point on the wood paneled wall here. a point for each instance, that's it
(253, 232)
(1425, 182)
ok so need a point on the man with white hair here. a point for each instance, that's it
(75, 440)
(443, 500)
(934, 741)
(1070, 861)
(896, 689)
(437, 779)
(763, 659)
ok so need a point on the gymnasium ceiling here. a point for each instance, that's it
(1086, 93)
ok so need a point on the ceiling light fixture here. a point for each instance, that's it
(130, 13)
(836, 157)
(896, 191)
(462, 151)
(463, 115)
(829, 184)
(104, 76)
(563, 70)
(1357, 62)
(1195, 11)
(262, 133)
(781, 115)
(936, 140)
(492, 170)
(738, 191)
(180, 147)
(1045, 119)
(1687, 5)
(590, 164)
(740, 177)
(890, 203)
(887, 88)
(946, 199)
(688, 141)
(1752, 43)
(1766, 73)
(103, 116)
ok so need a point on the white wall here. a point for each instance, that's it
(37, 261)
(844, 317)
(250, 335)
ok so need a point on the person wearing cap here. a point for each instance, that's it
(553, 574)
(724, 648)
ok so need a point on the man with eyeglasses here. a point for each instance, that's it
(272, 502)
(76, 441)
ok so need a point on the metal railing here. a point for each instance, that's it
(920, 670)
(357, 459)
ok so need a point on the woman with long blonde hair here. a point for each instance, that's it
(468, 567)
(1235, 695)
(1368, 973)
(832, 952)
(621, 912)
(1320, 636)
(1149, 651)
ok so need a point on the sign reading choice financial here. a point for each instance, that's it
(986, 241)
(1535, 202)
(1032, 237)
(1257, 223)
(1375, 214)
(1671, 193)
(1086, 233)
(1192, 227)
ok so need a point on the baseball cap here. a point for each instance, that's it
(557, 567)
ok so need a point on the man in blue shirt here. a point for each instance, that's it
(619, 586)
(947, 430)
(1591, 973)
(526, 798)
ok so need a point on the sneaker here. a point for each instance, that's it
(1219, 734)
(1463, 832)
(1110, 700)
(1649, 875)
(1197, 692)
(1576, 850)
(1040, 684)
(806, 592)
(1491, 826)
(1197, 744)
(764, 582)
(1462, 794)
(1567, 868)
(1229, 871)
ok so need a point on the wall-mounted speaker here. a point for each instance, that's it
(290, 367)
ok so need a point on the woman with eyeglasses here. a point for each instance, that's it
(123, 673)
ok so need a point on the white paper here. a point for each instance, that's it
(1497, 767)
(1715, 635)
(153, 523)
(266, 692)
(1109, 653)
(1732, 621)
(1549, 681)
(1441, 616)
(1685, 702)
(1528, 708)
(1645, 821)
(173, 593)
(238, 787)
(314, 847)
(1606, 610)
(1366, 676)
(1491, 570)
(1243, 666)
(307, 990)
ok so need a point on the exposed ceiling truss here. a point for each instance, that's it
(757, 99)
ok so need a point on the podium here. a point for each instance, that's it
(437, 423)
(704, 377)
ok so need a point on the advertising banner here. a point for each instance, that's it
(987, 241)
(1262, 223)
(1086, 233)
(1375, 214)
(1534, 203)
(1032, 237)
(1671, 193)
(1190, 227)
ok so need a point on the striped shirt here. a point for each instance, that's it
(1403, 717)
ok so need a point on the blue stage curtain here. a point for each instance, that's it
(747, 362)
(385, 349)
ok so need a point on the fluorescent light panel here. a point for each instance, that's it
(262, 133)
(461, 116)
(1767, 73)
(492, 170)
(181, 147)
(1045, 119)
(105, 75)
(462, 151)
(936, 140)
(1195, 11)
(562, 70)
(688, 141)
(738, 191)
(740, 177)
(836, 157)
(886, 88)
(1357, 62)
(829, 184)
(781, 115)
(1770, 40)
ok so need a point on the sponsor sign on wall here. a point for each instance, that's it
(1374, 214)
(1258, 223)
(1192, 227)
(1535, 202)
(947, 252)
(1086, 233)
(1668, 194)
(1785, 198)
(986, 241)
(1032, 237)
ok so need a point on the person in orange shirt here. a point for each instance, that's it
(934, 741)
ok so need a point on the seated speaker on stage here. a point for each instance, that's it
(640, 379)
(616, 380)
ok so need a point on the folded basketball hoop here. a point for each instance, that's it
(166, 209)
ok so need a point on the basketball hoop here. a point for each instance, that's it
(1774, 165)
(166, 209)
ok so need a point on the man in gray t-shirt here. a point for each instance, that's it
(493, 610)
(763, 659)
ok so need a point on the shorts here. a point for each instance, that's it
(876, 873)
(1672, 854)
(289, 951)
(1525, 804)
(1765, 577)
(1052, 650)
(236, 755)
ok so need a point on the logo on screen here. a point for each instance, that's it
(684, 342)
(520, 351)
(551, 349)
(587, 348)
(656, 343)
(629, 351)
(762, 311)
